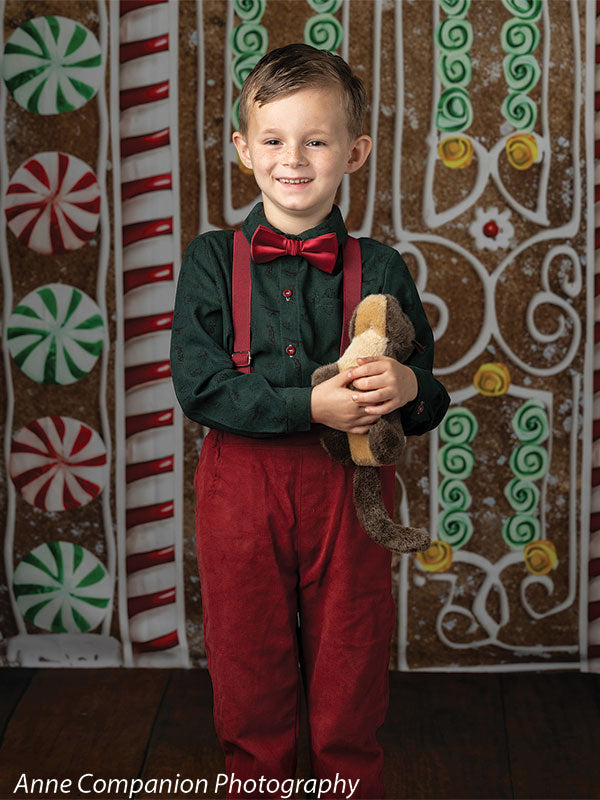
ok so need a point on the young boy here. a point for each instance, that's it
(277, 537)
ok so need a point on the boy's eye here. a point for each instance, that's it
(316, 141)
(272, 141)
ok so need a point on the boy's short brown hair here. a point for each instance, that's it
(297, 66)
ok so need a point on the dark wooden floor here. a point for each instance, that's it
(521, 735)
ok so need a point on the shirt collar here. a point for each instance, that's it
(333, 223)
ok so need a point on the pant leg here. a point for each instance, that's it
(247, 561)
(347, 617)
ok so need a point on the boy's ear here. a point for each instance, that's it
(242, 147)
(359, 153)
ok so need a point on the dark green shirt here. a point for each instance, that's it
(274, 399)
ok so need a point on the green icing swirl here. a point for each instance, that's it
(520, 111)
(530, 10)
(529, 461)
(325, 6)
(459, 426)
(523, 495)
(455, 527)
(454, 112)
(323, 32)
(249, 38)
(455, 8)
(530, 422)
(242, 65)
(455, 69)
(454, 494)
(249, 10)
(521, 72)
(520, 529)
(518, 37)
(456, 460)
(454, 35)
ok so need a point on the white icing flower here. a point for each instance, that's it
(490, 229)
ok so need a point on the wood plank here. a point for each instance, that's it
(13, 684)
(443, 737)
(184, 740)
(75, 721)
(553, 730)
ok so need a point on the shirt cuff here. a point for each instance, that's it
(416, 414)
(297, 403)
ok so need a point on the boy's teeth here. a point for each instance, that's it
(297, 180)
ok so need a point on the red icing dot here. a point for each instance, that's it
(490, 229)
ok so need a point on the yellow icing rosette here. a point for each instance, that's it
(522, 150)
(437, 557)
(540, 556)
(492, 379)
(456, 152)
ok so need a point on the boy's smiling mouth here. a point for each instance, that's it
(294, 181)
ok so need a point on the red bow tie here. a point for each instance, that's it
(321, 251)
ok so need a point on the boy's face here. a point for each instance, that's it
(303, 135)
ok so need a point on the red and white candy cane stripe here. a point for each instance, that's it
(149, 210)
(593, 653)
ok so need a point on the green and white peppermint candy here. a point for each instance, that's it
(63, 588)
(52, 64)
(55, 334)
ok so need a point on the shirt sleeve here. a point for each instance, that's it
(429, 407)
(208, 385)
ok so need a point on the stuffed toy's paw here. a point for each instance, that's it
(378, 326)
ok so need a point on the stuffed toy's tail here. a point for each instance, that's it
(374, 518)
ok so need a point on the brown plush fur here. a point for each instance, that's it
(378, 327)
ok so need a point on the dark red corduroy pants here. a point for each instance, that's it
(277, 534)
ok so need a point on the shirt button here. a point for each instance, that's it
(421, 407)
(287, 293)
(290, 349)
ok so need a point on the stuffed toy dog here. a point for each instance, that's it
(378, 326)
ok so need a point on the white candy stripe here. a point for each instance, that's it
(145, 165)
(148, 252)
(145, 71)
(144, 23)
(148, 445)
(150, 536)
(149, 299)
(144, 349)
(148, 206)
(159, 487)
(142, 120)
(155, 579)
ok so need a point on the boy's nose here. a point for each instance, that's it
(293, 156)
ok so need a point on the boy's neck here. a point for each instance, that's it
(292, 224)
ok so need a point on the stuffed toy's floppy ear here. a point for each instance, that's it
(378, 326)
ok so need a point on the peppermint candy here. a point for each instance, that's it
(55, 334)
(52, 203)
(58, 463)
(52, 65)
(62, 588)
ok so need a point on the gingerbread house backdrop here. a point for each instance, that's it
(115, 150)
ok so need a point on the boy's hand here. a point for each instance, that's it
(389, 384)
(385, 384)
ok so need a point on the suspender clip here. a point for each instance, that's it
(239, 360)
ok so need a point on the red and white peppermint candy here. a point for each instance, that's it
(58, 463)
(52, 203)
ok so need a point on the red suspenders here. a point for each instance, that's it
(242, 291)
